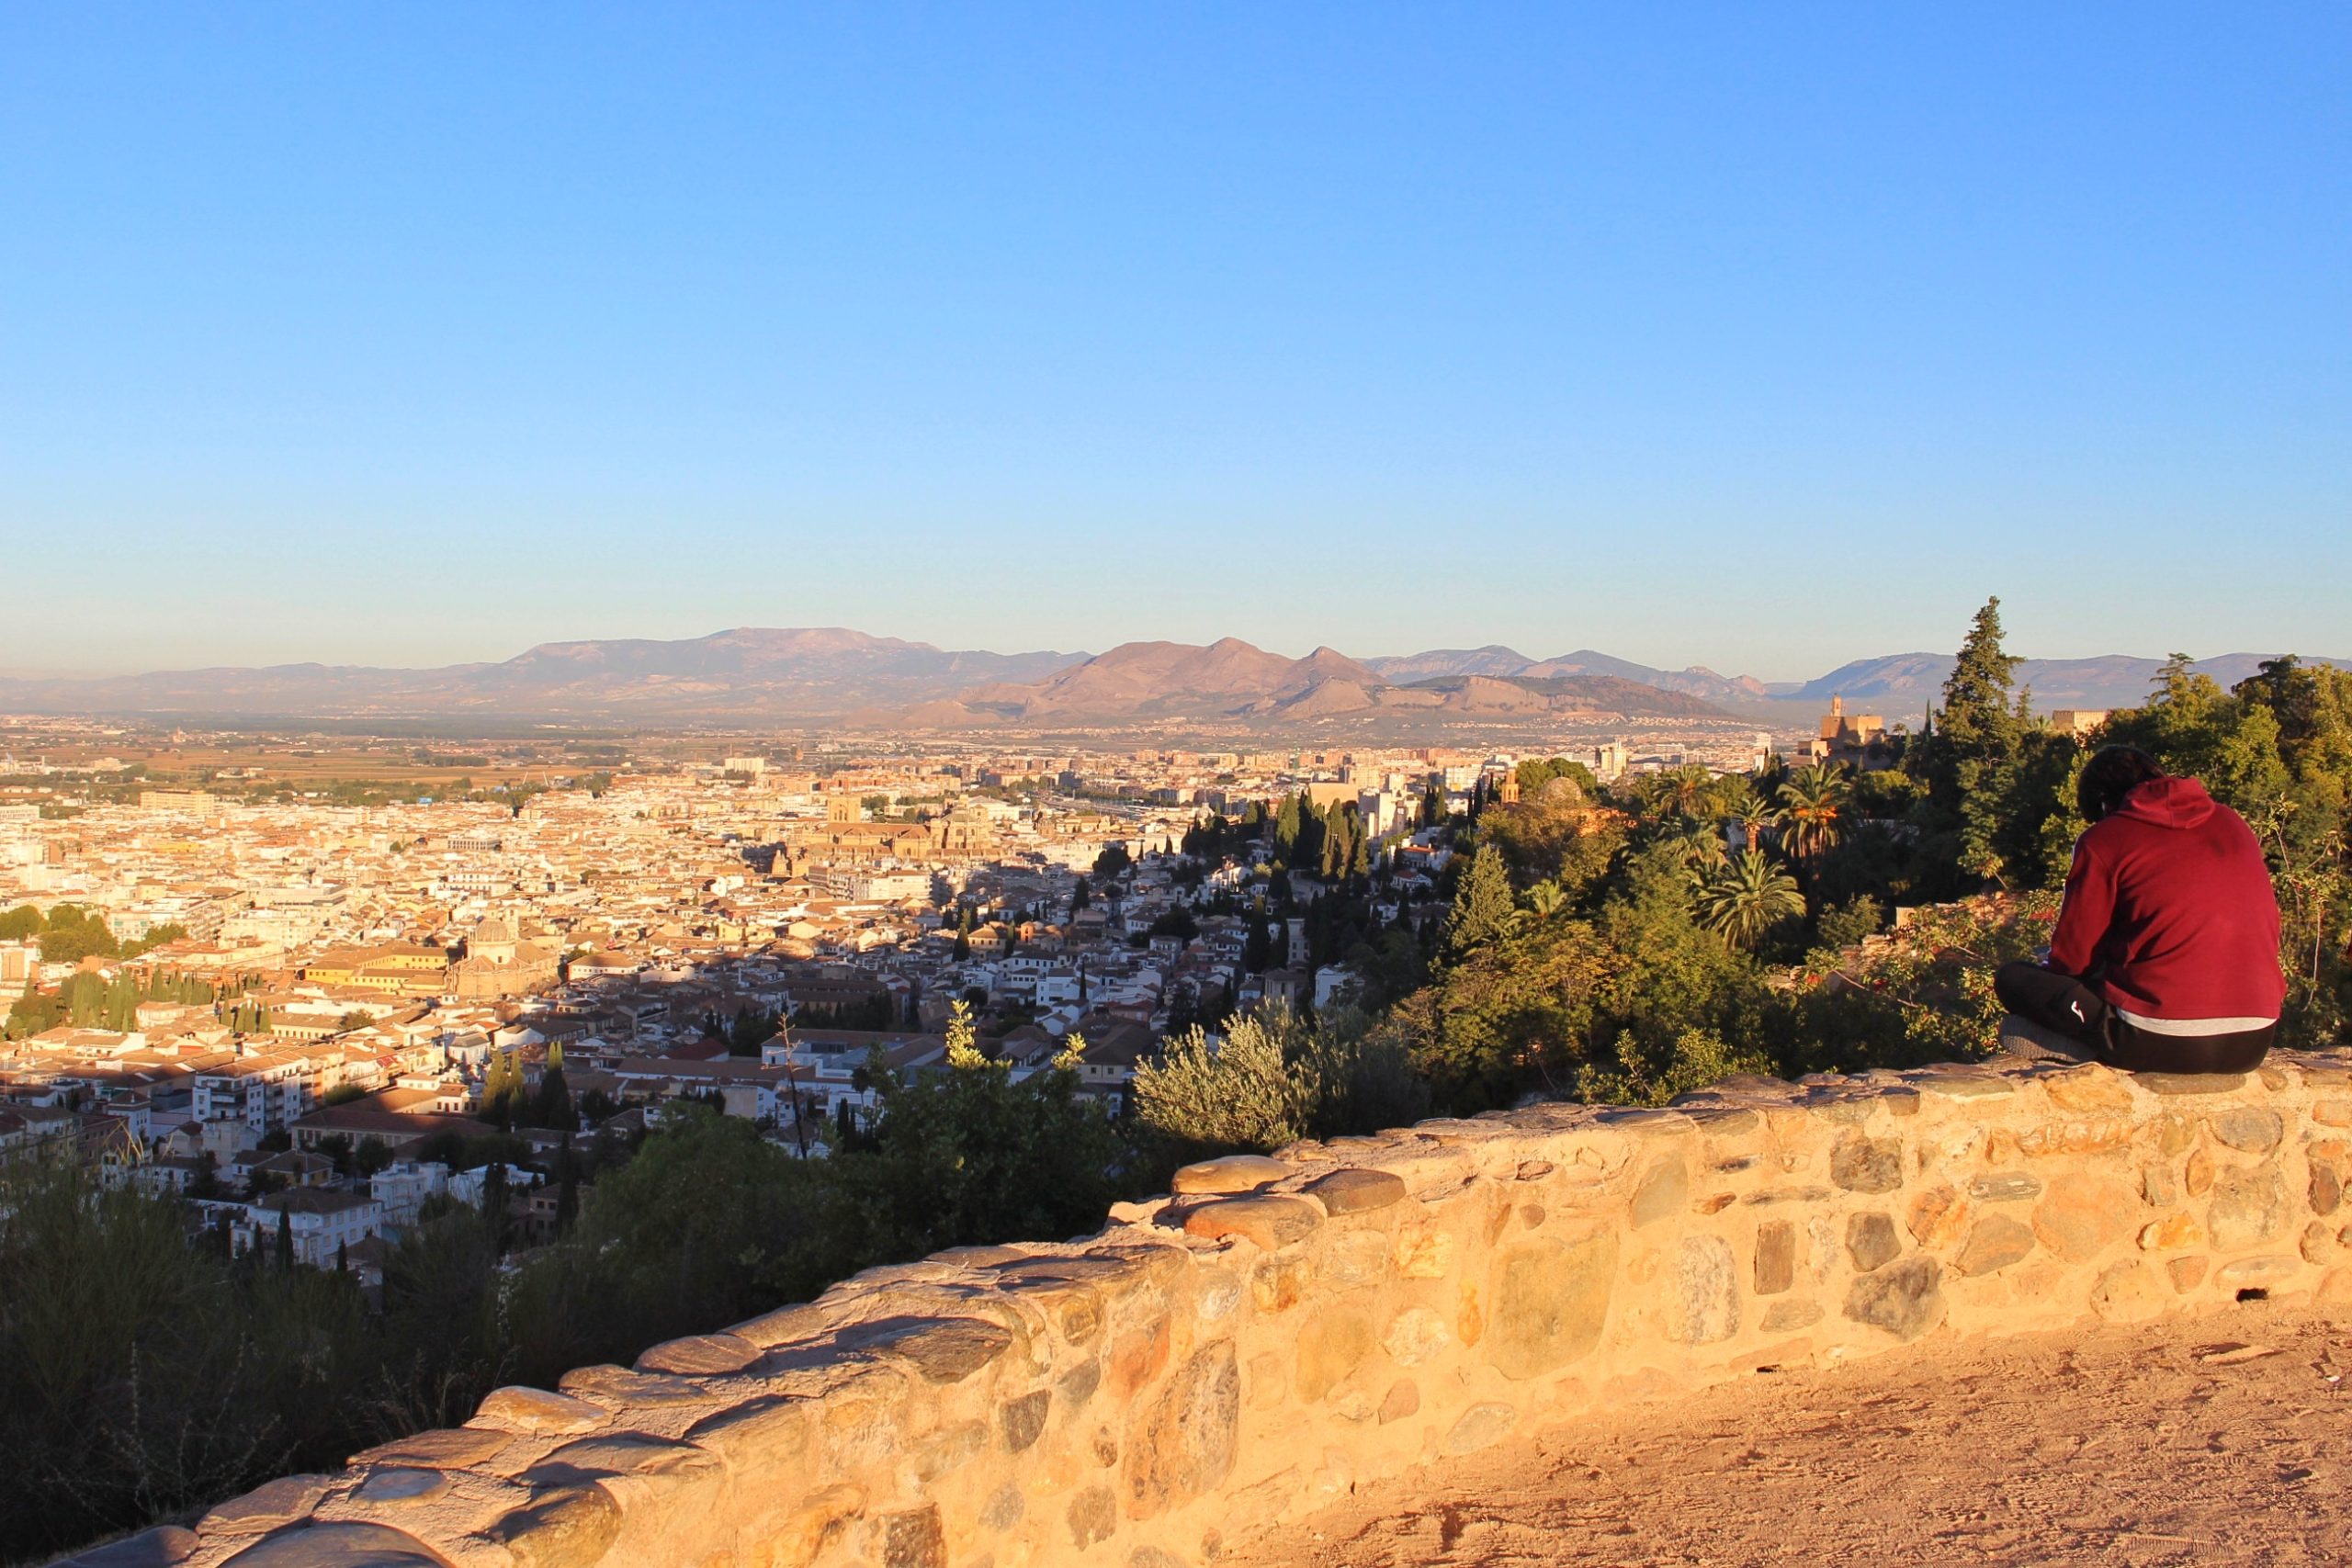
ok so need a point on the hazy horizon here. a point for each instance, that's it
(1541, 652)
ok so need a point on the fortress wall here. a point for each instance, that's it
(1282, 1330)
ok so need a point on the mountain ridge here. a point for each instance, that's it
(834, 672)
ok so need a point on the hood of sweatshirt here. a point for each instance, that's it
(2168, 803)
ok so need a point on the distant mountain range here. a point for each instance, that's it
(756, 675)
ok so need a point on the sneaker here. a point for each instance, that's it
(2023, 1038)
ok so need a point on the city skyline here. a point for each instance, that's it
(1758, 341)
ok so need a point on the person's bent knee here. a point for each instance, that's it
(2019, 984)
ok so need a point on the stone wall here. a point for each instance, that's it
(1282, 1330)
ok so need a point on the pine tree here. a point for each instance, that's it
(1482, 904)
(567, 1190)
(493, 1201)
(286, 1238)
(1983, 734)
(552, 1108)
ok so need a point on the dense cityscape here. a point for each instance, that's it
(365, 972)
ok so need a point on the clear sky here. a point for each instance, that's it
(1756, 336)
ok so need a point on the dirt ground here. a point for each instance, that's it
(2222, 1439)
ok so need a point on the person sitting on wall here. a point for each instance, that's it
(2165, 956)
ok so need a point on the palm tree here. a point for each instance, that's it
(1699, 845)
(1814, 803)
(1690, 789)
(1754, 814)
(1546, 899)
(1748, 898)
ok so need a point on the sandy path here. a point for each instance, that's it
(2156, 1445)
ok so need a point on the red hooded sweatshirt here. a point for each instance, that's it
(2169, 912)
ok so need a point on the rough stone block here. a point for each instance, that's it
(1870, 1242)
(2249, 1207)
(454, 1447)
(2182, 1085)
(398, 1484)
(700, 1355)
(1138, 1354)
(785, 1326)
(1934, 1216)
(1184, 1441)
(1771, 1196)
(2081, 1216)
(345, 1545)
(1020, 1421)
(1330, 1346)
(271, 1506)
(2248, 1128)
(1355, 1258)
(163, 1547)
(915, 1539)
(1787, 1317)
(1703, 1293)
(1425, 1254)
(1663, 1192)
(1357, 1191)
(2007, 1187)
(1278, 1284)
(767, 1434)
(816, 1521)
(1861, 1164)
(1994, 1243)
(1234, 1173)
(519, 1409)
(1963, 1084)
(2091, 1087)
(627, 1453)
(2257, 1272)
(2326, 1192)
(2127, 1292)
(942, 1349)
(2171, 1232)
(1414, 1335)
(572, 1526)
(1481, 1426)
(1551, 1299)
(1004, 1508)
(1073, 1307)
(2086, 1138)
(1776, 1256)
(1270, 1224)
(1906, 1299)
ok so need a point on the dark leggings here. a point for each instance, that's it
(2062, 1003)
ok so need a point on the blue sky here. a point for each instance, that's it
(1759, 336)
